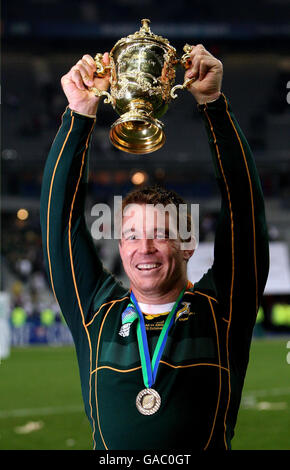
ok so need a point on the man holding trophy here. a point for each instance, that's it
(162, 364)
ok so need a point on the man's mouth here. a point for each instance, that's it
(147, 266)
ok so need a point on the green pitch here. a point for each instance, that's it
(41, 406)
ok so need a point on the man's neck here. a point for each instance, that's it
(156, 298)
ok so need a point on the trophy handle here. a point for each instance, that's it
(185, 61)
(102, 69)
(101, 72)
(108, 99)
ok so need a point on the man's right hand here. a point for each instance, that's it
(76, 82)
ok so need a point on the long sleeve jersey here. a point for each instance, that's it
(203, 366)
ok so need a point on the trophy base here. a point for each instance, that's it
(137, 133)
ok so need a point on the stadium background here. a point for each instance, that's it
(40, 398)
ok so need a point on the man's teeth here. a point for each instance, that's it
(148, 266)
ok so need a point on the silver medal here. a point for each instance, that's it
(148, 401)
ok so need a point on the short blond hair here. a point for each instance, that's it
(157, 195)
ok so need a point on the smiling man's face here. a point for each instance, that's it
(151, 255)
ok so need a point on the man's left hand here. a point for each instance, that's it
(208, 73)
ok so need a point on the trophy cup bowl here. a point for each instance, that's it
(142, 74)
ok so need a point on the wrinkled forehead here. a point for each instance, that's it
(149, 217)
(147, 213)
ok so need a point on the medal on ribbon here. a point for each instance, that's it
(148, 401)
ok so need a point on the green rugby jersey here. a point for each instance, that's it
(202, 369)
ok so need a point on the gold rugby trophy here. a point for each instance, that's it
(142, 74)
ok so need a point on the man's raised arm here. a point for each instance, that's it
(75, 273)
(241, 259)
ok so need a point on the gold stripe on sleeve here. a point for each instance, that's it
(72, 266)
(49, 203)
(233, 263)
(252, 200)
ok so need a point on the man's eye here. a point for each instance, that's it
(132, 236)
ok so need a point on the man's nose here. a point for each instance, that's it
(146, 245)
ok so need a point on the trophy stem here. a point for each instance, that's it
(137, 131)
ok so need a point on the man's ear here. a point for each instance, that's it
(187, 254)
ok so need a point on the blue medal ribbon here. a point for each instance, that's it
(149, 370)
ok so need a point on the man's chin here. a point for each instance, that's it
(147, 286)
